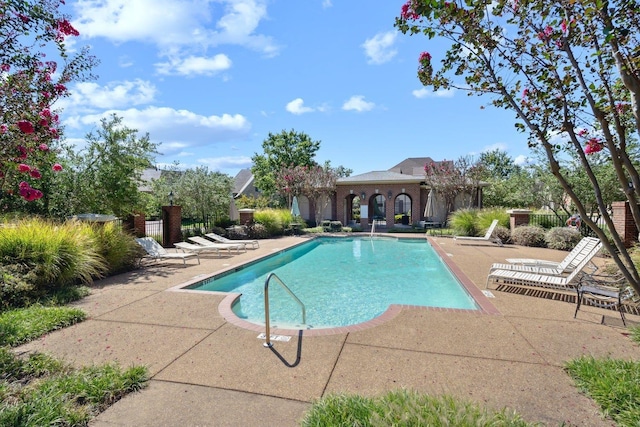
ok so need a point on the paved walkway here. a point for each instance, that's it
(207, 371)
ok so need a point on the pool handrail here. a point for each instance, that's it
(267, 322)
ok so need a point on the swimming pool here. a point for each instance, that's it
(342, 281)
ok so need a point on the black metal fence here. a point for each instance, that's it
(551, 220)
(189, 226)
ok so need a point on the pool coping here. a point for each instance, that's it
(225, 307)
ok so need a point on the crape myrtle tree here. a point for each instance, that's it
(35, 68)
(451, 179)
(556, 65)
(318, 183)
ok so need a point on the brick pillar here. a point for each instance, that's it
(135, 224)
(246, 216)
(171, 225)
(518, 217)
(624, 224)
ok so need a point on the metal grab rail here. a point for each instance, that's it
(266, 306)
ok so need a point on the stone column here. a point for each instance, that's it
(171, 225)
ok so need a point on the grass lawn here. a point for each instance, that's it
(39, 390)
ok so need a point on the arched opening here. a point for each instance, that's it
(378, 206)
(402, 209)
(352, 210)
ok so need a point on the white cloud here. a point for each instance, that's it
(113, 95)
(497, 146)
(176, 130)
(427, 93)
(326, 4)
(218, 163)
(193, 65)
(379, 48)
(170, 23)
(297, 107)
(521, 160)
(357, 103)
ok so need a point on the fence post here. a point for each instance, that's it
(171, 225)
(623, 222)
(246, 216)
(518, 217)
(135, 224)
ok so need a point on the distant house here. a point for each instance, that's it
(148, 175)
(394, 196)
(243, 185)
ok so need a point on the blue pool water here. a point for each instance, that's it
(343, 281)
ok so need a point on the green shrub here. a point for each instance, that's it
(503, 233)
(257, 231)
(57, 254)
(17, 287)
(529, 235)
(219, 231)
(463, 222)
(562, 238)
(314, 230)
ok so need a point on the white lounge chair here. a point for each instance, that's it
(488, 237)
(572, 259)
(218, 238)
(584, 249)
(193, 248)
(198, 240)
(156, 251)
(522, 278)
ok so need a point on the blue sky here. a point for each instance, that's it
(209, 79)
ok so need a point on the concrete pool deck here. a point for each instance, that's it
(206, 370)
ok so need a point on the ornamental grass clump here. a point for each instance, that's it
(464, 222)
(53, 255)
(274, 220)
(119, 250)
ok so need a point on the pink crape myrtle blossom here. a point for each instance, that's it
(594, 145)
(25, 126)
(34, 34)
